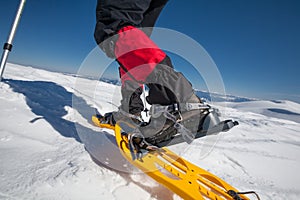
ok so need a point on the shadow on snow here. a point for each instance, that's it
(48, 100)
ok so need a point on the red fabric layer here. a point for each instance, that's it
(137, 53)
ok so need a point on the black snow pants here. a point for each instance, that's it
(119, 33)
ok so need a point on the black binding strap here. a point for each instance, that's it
(235, 195)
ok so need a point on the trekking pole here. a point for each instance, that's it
(8, 45)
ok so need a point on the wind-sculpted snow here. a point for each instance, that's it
(49, 148)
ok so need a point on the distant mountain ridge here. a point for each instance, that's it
(215, 97)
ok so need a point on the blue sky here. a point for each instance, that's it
(254, 43)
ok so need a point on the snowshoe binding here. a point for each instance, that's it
(170, 124)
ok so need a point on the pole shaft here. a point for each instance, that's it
(3, 62)
(8, 45)
(16, 22)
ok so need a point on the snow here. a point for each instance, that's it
(50, 150)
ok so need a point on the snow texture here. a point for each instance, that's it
(50, 149)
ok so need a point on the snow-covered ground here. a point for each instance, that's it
(50, 150)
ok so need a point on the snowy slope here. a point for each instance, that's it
(50, 150)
